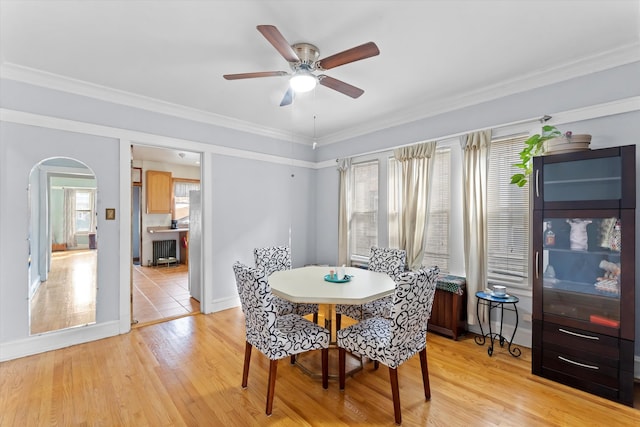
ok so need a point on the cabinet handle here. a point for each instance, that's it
(589, 337)
(537, 267)
(582, 365)
(537, 186)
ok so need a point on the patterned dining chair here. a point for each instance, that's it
(395, 340)
(381, 260)
(274, 335)
(277, 258)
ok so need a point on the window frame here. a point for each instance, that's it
(173, 193)
(90, 211)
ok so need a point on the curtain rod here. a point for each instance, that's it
(542, 119)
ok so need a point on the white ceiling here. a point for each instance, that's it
(435, 55)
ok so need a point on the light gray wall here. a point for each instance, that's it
(621, 129)
(24, 97)
(21, 148)
(250, 202)
(254, 203)
(591, 89)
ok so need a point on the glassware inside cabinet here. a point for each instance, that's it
(582, 268)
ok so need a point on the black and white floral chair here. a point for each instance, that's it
(395, 340)
(277, 258)
(275, 336)
(381, 260)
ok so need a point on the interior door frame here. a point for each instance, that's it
(129, 250)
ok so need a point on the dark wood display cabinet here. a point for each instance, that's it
(584, 270)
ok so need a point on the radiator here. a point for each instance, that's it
(165, 249)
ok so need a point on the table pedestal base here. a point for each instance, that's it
(311, 363)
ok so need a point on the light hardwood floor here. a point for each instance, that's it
(188, 372)
(68, 297)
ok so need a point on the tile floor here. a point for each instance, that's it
(161, 293)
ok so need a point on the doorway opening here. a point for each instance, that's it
(165, 200)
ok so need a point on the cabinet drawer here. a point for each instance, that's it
(580, 341)
(583, 367)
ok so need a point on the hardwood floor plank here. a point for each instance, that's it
(187, 372)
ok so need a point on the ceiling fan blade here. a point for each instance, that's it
(288, 98)
(278, 41)
(357, 53)
(254, 75)
(340, 86)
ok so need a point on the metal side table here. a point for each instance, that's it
(488, 299)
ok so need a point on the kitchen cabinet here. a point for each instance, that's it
(158, 192)
(584, 270)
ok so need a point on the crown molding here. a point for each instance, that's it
(142, 138)
(58, 82)
(603, 61)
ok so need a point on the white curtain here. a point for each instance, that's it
(343, 213)
(70, 218)
(94, 217)
(417, 170)
(475, 147)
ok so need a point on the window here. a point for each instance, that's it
(181, 189)
(437, 233)
(437, 247)
(395, 201)
(363, 225)
(507, 217)
(84, 210)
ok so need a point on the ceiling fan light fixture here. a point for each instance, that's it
(303, 81)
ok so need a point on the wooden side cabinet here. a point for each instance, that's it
(158, 192)
(584, 270)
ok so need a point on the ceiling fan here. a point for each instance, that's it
(303, 61)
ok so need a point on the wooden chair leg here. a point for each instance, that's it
(325, 368)
(273, 370)
(342, 357)
(315, 318)
(425, 373)
(395, 392)
(376, 364)
(338, 321)
(247, 360)
(293, 359)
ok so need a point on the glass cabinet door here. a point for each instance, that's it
(591, 179)
(595, 179)
(582, 268)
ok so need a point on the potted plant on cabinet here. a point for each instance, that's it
(550, 141)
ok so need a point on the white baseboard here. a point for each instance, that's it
(223, 304)
(57, 339)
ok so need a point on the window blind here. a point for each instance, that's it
(437, 246)
(507, 216)
(363, 224)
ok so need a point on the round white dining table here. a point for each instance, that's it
(307, 285)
